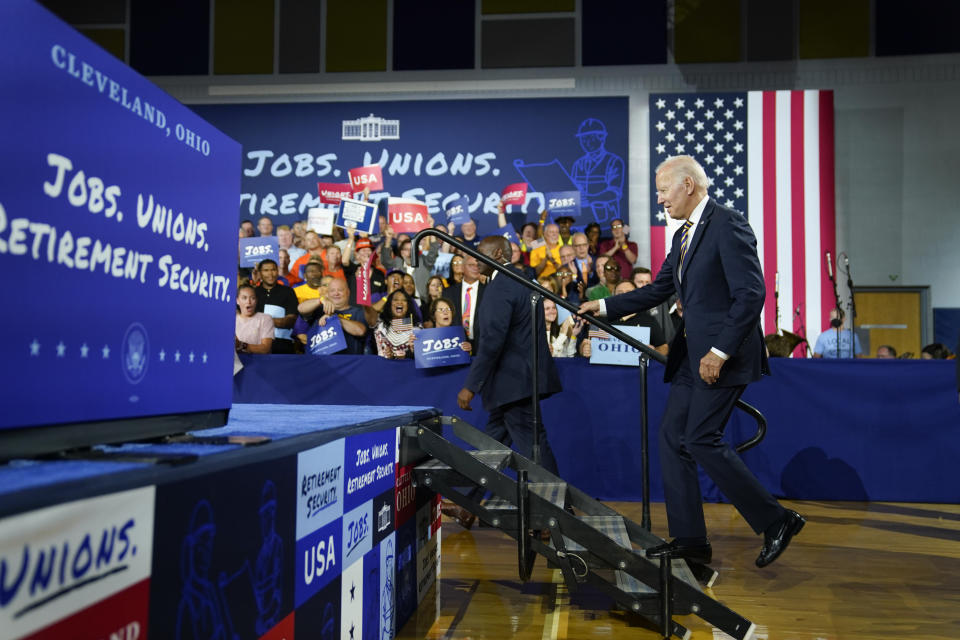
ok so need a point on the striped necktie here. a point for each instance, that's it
(684, 242)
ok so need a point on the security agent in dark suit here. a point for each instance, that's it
(718, 349)
(501, 367)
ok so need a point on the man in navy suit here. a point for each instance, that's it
(501, 368)
(718, 350)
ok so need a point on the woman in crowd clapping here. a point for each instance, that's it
(254, 331)
(561, 337)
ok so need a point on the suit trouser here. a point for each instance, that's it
(692, 433)
(512, 424)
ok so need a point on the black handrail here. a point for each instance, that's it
(610, 329)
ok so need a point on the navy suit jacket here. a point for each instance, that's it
(501, 368)
(722, 293)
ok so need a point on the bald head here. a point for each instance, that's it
(497, 248)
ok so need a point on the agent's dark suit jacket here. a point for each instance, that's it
(722, 295)
(501, 369)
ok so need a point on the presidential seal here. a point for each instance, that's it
(136, 353)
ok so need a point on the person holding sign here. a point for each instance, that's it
(254, 331)
(501, 367)
(441, 313)
(394, 332)
(337, 303)
(718, 350)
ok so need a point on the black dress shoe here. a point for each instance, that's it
(702, 553)
(775, 543)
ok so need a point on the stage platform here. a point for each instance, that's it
(316, 527)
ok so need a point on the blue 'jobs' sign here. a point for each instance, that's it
(122, 201)
(564, 203)
(327, 339)
(253, 250)
(440, 347)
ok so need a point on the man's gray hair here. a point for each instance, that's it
(680, 167)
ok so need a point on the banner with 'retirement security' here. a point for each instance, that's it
(434, 151)
(121, 202)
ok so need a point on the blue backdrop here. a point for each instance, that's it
(117, 226)
(434, 151)
(861, 430)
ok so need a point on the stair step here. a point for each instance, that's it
(611, 526)
(553, 492)
(495, 459)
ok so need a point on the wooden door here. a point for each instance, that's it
(892, 317)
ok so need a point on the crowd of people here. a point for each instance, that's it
(316, 277)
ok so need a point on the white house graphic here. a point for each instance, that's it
(370, 129)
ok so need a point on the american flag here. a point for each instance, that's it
(768, 154)
(599, 334)
(402, 324)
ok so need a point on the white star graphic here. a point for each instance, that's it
(670, 137)
(176, 356)
(728, 136)
(84, 350)
(679, 148)
(708, 114)
(204, 358)
(718, 125)
(679, 103)
(718, 193)
(738, 124)
(660, 149)
(61, 349)
(669, 115)
(738, 170)
(718, 103)
(718, 169)
(689, 114)
(728, 114)
(698, 125)
(728, 181)
(661, 216)
(709, 181)
(708, 159)
(718, 148)
(689, 137)
(34, 348)
(191, 358)
(699, 103)
(163, 355)
(729, 203)
(728, 159)
(708, 136)
(661, 103)
(738, 147)
(680, 125)
(105, 352)
(737, 192)
(738, 102)
(660, 127)
(699, 148)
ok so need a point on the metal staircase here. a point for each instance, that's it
(589, 542)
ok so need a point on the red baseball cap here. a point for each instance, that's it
(363, 243)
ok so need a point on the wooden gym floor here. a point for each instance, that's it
(857, 570)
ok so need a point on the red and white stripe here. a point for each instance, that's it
(790, 166)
